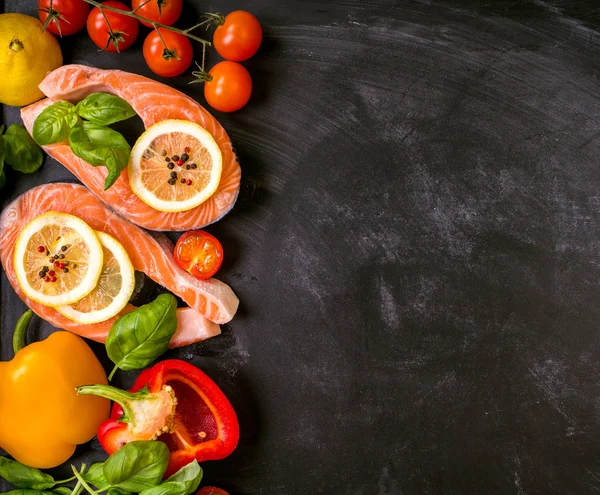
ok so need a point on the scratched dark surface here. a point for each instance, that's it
(416, 248)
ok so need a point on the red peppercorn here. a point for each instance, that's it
(56, 263)
(189, 182)
(41, 249)
(46, 279)
(52, 273)
(61, 266)
(187, 149)
(53, 279)
(179, 163)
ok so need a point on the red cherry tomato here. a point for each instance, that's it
(172, 61)
(212, 490)
(199, 253)
(239, 37)
(66, 16)
(125, 28)
(168, 13)
(230, 87)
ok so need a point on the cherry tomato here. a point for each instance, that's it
(199, 253)
(239, 37)
(125, 28)
(66, 16)
(169, 11)
(171, 61)
(212, 490)
(230, 87)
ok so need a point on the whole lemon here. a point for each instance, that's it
(27, 54)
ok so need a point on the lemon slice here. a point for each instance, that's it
(49, 242)
(114, 289)
(175, 165)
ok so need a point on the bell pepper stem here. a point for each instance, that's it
(21, 331)
(121, 397)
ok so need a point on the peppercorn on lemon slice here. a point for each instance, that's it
(114, 289)
(58, 259)
(175, 165)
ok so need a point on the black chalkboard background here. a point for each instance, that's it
(416, 248)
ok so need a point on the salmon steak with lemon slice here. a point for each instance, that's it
(211, 302)
(154, 102)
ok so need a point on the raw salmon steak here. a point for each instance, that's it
(153, 102)
(211, 301)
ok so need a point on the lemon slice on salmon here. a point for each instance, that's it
(58, 259)
(114, 289)
(175, 165)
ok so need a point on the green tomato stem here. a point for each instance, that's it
(154, 24)
(21, 331)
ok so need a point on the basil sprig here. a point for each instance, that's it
(101, 146)
(138, 467)
(90, 139)
(18, 150)
(139, 337)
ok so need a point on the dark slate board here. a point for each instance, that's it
(416, 248)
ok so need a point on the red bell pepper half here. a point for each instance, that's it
(177, 402)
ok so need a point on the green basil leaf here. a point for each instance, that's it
(23, 476)
(137, 466)
(2, 152)
(139, 337)
(104, 109)
(22, 153)
(101, 146)
(62, 490)
(53, 124)
(95, 476)
(28, 491)
(183, 482)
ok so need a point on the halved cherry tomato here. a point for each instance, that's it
(171, 61)
(66, 16)
(230, 87)
(212, 490)
(164, 11)
(199, 253)
(125, 28)
(239, 37)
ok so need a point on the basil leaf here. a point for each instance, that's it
(23, 476)
(95, 476)
(101, 146)
(104, 109)
(139, 337)
(2, 176)
(137, 466)
(22, 153)
(28, 491)
(185, 481)
(62, 490)
(53, 124)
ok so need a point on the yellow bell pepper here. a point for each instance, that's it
(42, 419)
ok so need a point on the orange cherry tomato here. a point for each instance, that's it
(239, 37)
(230, 87)
(169, 62)
(125, 28)
(212, 490)
(199, 253)
(167, 14)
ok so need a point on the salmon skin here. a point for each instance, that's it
(211, 301)
(153, 102)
